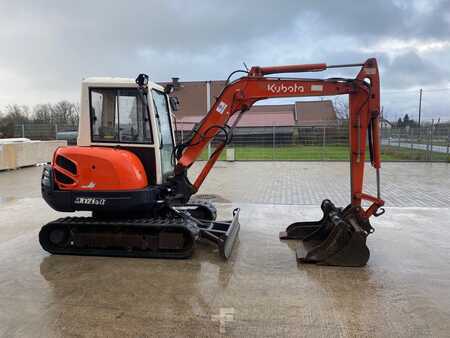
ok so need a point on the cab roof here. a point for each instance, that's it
(116, 82)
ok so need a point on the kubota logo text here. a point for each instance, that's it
(283, 89)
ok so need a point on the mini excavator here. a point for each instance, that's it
(130, 174)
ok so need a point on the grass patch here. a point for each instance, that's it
(398, 153)
(327, 153)
(297, 153)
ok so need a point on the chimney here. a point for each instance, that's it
(176, 82)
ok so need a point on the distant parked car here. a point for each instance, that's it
(69, 136)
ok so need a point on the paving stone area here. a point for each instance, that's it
(403, 184)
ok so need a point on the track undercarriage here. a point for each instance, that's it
(170, 236)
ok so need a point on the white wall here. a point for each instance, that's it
(21, 154)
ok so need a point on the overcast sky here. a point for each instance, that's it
(47, 47)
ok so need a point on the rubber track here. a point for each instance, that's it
(147, 230)
(206, 204)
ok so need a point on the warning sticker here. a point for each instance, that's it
(221, 107)
(370, 71)
(316, 88)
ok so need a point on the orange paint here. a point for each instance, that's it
(101, 169)
(364, 102)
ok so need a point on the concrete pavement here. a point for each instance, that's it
(261, 291)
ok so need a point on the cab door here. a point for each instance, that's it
(164, 125)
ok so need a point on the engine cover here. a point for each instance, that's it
(97, 169)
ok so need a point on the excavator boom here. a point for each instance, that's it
(339, 237)
(239, 96)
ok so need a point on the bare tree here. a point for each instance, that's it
(65, 112)
(341, 107)
(42, 113)
(14, 114)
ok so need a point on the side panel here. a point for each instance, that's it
(147, 157)
(98, 169)
(136, 201)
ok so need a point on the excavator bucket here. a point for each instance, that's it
(338, 239)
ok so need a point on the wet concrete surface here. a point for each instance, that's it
(403, 291)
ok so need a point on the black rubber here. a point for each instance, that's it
(145, 237)
(199, 209)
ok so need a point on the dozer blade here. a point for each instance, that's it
(223, 234)
(338, 239)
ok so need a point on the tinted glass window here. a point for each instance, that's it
(119, 115)
(162, 109)
(165, 127)
(104, 115)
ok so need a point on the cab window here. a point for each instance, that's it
(164, 123)
(118, 115)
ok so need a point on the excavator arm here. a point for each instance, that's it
(239, 96)
(162, 221)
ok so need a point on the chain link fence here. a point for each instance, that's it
(430, 143)
(41, 131)
(330, 143)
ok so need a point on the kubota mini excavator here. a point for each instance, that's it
(127, 170)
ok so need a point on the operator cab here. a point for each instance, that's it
(114, 114)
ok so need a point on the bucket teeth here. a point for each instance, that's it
(338, 239)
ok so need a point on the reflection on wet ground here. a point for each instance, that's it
(402, 292)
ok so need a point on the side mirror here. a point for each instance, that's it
(142, 80)
(174, 102)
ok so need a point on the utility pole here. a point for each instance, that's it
(420, 107)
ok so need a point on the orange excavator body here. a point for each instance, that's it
(133, 217)
(98, 169)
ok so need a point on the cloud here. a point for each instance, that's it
(409, 69)
(48, 46)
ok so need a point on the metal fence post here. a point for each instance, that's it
(431, 140)
(323, 143)
(23, 130)
(448, 143)
(56, 130)
(411, 133)
(273, 142)
(428, 136)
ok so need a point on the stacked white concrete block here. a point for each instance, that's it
(16, 153)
